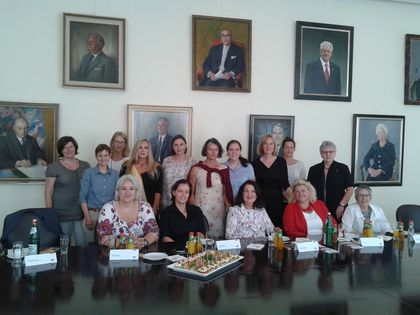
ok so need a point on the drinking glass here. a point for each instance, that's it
(17, 249)
(270, 236)
(209, 241)
(64, 244)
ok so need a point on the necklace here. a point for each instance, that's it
(72, 164)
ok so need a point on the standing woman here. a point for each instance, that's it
(97, 188)
(211, 189)
(175, 167)
(119, 150)
(332, 180)
(239, 169)
(147, 172)
(271, 174)
(295, 169)
(62, 187)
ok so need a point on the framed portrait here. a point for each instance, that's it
(412, 70)
(323, 62)
(94, 51)
(378, 150)
(159, 124)
(278, 126)
(28, 136)
(221, 54)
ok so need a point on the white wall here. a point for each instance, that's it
(158, 72)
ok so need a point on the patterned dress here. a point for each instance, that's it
(110, 225)
(247, 223)
(209, 196)
(172, 172)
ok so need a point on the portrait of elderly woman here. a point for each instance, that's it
(380, 159)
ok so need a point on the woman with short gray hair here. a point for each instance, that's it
(363, 210)
(332, 180)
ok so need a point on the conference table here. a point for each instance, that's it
(267, 281)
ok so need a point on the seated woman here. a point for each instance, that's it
(248, 218)
(305, 215)
(127, 215)
(356, 214)
(180, 218)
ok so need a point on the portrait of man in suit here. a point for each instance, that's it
(223, 62)
(278, 135)
(322, 76)
(96, 66)
(161, 142)
(18, 149)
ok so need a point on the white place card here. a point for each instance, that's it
(228, 244)
(371, 242)
(311, 246)
(40, 259)
(124, 254)
(39, 268)
(255, 246)
(416, 238)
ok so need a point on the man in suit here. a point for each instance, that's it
(18, 149)
(96, 66)
(161, 143)
(323, 76)
(223, 63)
(278, 135)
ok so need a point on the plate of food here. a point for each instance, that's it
(206, 264)
(155, 256)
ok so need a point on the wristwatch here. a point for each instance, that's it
(341, 205)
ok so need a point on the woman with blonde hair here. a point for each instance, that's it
(146, 171)
(119, 150)
(304, 215)
(271, 175)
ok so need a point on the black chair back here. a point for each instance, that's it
(408, 212)
(17, 226)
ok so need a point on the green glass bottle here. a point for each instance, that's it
(328, 231)
(34, 239)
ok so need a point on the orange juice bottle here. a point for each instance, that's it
(278, 239)
(191, 244)
(198, 244)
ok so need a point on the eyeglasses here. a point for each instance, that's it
(327, 152)
(363, 196)
(119, 142)
(225, 35)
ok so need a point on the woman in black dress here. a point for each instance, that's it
(271, 175)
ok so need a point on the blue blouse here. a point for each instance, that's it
(97, 188)
(239, 176)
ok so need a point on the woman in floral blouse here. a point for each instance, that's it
(248, 218)
(127, 215)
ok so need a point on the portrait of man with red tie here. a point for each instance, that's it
(322, 76)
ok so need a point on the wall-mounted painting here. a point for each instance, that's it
(279, 127)
(28, 135)
(221, 54)
(150, 122)
(94, 51)
(323, 62)
(378, 150)
(412, 70)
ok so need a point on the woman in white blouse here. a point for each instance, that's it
(248, 218)
(295, 168)
(356, 214)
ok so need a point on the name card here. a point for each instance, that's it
(228, 244)
(124, 254)
(311, 246)
(416, 238)
(40, 259)
(39, 268)
(371, 242)
(306, 255)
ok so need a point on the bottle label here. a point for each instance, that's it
(32, 249)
